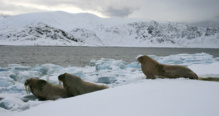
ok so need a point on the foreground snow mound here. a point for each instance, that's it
(161, 97)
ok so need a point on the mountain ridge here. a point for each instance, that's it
(66, 29)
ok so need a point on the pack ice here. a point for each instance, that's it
(129, 94)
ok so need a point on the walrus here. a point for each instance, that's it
(76, 86)
(152, 68)
(44, 90)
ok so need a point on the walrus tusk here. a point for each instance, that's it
(26, 89)
(60, 83)
(137, 63)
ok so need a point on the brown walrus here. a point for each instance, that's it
(76, 86)
(151, 67)
(44, 90)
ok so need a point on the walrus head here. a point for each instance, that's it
(61, 78)
(27, 84)
(140, 60)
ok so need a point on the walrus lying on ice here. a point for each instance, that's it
(151, 67)
(76, 86)
(44, 90)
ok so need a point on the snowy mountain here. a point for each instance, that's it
(3, 16)
(65, 29)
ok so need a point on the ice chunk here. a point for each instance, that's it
(26, 98)
(15, 71)
(188, 59)
(13, 76)
(3, 69)
(15, 88)
(5, 83)
(106, 80)
(22, 76)
(109, 64)
(79, 74)
(92, 62)
(47, 69)
(134, 65)
(10, 103)
(18, 67)
(102, 67)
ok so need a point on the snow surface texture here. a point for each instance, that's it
(129, 94)
(65, 29)
(147, 98)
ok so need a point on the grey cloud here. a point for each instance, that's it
(121, 12)
(217, 18)
(83, 4)
(115, 8)
(193, 11)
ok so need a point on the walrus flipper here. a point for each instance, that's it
(41, 98)
(209, 79)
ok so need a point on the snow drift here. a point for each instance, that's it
(178, 97)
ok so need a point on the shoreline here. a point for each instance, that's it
(81, 55)
(108, 46)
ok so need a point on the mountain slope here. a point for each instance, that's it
(90, 30)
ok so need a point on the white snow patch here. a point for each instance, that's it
(179, 97)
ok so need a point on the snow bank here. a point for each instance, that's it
(161, 97)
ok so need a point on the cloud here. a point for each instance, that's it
(13, 8)
(217, 18)
(118, 12)
(114, 8)
(191, 11)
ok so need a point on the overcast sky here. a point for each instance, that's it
(201, 12)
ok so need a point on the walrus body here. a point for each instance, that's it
(76, 86)
(152, 68)
(44, 90)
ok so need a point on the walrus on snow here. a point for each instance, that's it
(76, 86)
(151, 67)
(44, 90)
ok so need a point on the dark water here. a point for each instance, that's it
(81, 56)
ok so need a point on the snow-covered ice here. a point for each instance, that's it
(129, 93)
(178, 97)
